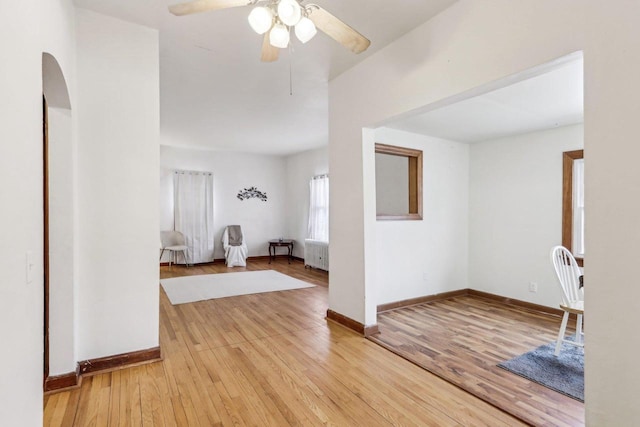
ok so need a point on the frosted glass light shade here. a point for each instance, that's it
(289, 12)
(279, 36)
(261, 19)
(305, 30)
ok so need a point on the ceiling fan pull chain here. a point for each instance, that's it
(290, 72)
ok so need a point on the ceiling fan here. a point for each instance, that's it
(276, 18)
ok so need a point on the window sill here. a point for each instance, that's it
(408, 217)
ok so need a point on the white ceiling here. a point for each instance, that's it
(549, 100)
(216, 94)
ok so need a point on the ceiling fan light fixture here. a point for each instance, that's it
(279, 36)
(289, 12)
(261, 19)
(305, 30)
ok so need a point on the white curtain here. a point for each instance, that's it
(319, 208)
(193, 213)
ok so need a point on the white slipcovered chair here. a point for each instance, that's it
(235, 254)
(173, 241)
(568, 274)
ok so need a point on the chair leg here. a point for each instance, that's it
(579, 329)
(161, 253)
(186, 262)
(563, 327)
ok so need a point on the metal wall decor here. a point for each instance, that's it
(250, 193)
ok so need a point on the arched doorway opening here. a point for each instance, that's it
(59, 223)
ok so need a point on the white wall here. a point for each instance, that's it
(417, 258)
(21, 188)
(516, 212)
(232, 172)
(473, 47)
(27, 28)
(118, 161)
(301, 168)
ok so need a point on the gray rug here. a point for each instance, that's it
(564, 374)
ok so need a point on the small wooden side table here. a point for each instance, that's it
(276, 243)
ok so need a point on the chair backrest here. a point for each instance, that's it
(568, 274)
(226, 237)
(171, 238)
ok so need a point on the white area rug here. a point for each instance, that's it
(181, 290)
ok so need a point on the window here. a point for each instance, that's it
(319, 208)
(398, 183)
(573, 203)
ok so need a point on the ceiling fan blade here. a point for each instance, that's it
(198, 6)
(338, 30)
(269, 53)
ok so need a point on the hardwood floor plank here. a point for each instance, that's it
(71, 408)
(49, 404)
(150, 397)
(102, 407)
(54, 409)
(134, 409)
(81, 416)
(115, 398)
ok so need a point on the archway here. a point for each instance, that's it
(60, 223)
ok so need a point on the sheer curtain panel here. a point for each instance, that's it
(193, 213)
(319, 208)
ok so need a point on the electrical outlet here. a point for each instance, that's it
(533, 287)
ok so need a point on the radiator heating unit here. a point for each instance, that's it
(316, 254)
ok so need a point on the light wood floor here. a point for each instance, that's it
(267, 359)
(462, 339)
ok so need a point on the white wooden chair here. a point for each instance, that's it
(173, 241)
(568, 274)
